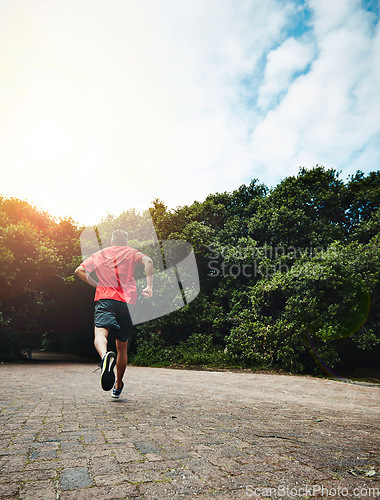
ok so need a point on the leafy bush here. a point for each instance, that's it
(199, 349)
(310, 309)
(151, 351)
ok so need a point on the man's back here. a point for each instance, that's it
(115, 269)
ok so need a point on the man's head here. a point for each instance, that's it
(119, 238)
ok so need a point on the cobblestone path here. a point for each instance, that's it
(184, 433)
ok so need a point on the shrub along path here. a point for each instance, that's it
(184, 433)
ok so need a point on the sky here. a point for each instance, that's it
(106, 106)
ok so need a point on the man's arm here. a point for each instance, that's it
(148, 263)
(81, 272)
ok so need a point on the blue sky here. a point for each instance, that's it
(107, 106)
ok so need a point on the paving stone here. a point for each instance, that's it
(94, 437)
(128, 455)
(204, 469)
(185, 482)
(12, 463)
(43, 454)
(104, 465)
(37, 475)
(68, 463)
(71, 446)
(75, 478)
(147, 447)
(144, 476)
(9, 490)
(102, 493)
(175, 454)
(38, 490)
(45, 465)
(112, 479)
(153, 457)
(157, 491)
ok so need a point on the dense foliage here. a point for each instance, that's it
(37, 291)
(289, 277)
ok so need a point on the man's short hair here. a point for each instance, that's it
(119, 238)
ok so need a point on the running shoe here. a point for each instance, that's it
(116, 392)
(107, 377)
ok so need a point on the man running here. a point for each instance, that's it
(115, 269)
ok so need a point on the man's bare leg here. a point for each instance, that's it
(101, 341)
(107, 377)
(121, 361)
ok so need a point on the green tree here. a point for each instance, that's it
(34, 250)
(302, 209)
(362, 206)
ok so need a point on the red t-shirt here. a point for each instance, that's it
(115, 269)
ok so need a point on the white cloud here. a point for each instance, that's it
(332, 16)
(290, 57)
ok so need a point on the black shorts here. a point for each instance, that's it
(114, 315)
